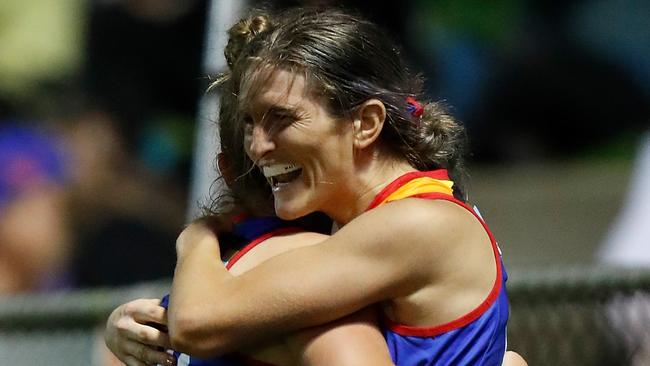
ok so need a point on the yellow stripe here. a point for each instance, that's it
(420, 185)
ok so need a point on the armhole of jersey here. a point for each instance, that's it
(408, 330)
(248, 247)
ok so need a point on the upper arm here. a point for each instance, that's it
(353, 340)
(383, 254)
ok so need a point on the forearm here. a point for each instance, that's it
(212, 312)
(195, 322)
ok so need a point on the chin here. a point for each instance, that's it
(289, 212)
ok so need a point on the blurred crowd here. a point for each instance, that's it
(98, 100)
(97, 106)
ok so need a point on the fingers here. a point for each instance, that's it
(144, 320)
(141, 354)
(141, 333)
(131, 333)
(146, 311)
(132, 361)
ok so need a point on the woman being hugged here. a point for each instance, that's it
(330, 114)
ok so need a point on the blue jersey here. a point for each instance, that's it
(476, 338)
(250, 232)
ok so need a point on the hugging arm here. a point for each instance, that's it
(360, 265)
(354, 340)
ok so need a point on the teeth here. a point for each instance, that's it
(277, 169)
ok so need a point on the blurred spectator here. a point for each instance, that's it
(124, 216)
(125, 117)
(133, 137)
(35, 240)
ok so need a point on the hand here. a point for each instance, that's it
(201, 230)
(134, 335)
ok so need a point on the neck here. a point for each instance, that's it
(368, 181)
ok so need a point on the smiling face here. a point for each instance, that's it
(304, 152)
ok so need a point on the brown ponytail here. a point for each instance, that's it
(437, 140)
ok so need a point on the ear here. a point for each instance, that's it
(368, 122)
(225, 167)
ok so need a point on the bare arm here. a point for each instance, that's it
(353, 340)
(364, 263)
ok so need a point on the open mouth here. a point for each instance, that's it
(280, 175)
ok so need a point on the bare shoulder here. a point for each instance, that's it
(434, 212)
(514, 359)
(415, 218)
(274, 246)
(285, 242)
(416, 231)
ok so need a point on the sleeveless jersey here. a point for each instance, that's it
(476, 338)
(249, 232)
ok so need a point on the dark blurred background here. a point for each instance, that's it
(98, 103)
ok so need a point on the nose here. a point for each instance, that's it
(260, 143)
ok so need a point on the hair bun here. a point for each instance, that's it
(242, 33)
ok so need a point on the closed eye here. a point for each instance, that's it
(280, 114)
(274, 120)
(278, 118)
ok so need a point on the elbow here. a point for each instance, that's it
(184, 337)
(197, 336)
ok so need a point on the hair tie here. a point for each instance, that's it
(414, 107)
